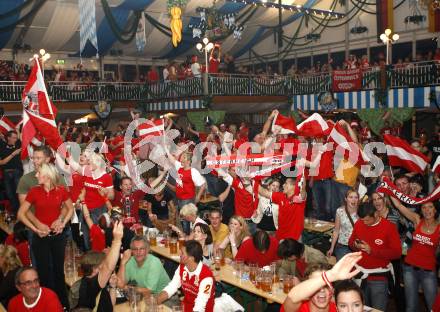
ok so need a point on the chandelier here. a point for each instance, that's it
(214, 25)
(434, 4)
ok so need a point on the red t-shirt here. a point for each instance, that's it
(153, 76)
(306, 308)
(48, 302)
(325, 168)
(383, 240)
(290, 216)
(292, 142)
(47, 204)
(243, 200)
(187, 189)
(213, 65)
(134, 199)
(77, 186)
(97, 238)
(190, 288)
(22, 249)
(423, 247)
(93, 199)
(249, 254)
(117, 152)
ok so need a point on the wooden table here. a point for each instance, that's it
(125, 307)
(226, 275)
(208, 199)
(318, 226)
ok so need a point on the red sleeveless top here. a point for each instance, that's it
(422, 251)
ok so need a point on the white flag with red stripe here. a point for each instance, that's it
(342, 140)
(38, 112)
(6, 125)
(152, 128)
(287, 124)
(314, 126)
(436, 167)
(401, 154)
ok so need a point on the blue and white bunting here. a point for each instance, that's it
(141, 39)
(87, 21)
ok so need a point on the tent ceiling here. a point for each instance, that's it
(55, 27)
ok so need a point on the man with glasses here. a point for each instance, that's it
(139, 268)
(32, 297)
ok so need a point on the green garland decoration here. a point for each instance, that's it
(198, 118)
(217, 85)
(22, 19)
(119, 33)
(278, 88)
(17, 9)
(415, 79)
(176, 3)
(374, 116)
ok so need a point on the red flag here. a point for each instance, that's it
(387, 187)
(314, 126)
(6, 125)
(339, 137)
(401, 154)
(152, 128)
(28, 133)
(287, 125)
(38, 111)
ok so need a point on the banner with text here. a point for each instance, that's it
(347, 80)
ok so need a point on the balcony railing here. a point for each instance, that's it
(412, 75)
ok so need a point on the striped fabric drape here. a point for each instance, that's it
(384, 16)
(175, 105)
(397, 98)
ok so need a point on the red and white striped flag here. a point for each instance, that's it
(38, 112)
(401, 154)
(436, 167)
(6, 125)
(314, 126)
(339, 137)
(152, 128)
(287, 124)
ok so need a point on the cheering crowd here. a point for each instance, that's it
(385, 237)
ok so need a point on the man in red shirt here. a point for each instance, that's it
(33, 297)
(128, 200)
(153, 75)
(195, 279)
(261, 249)
(243, 199)
(291, 208)
(379, 242)
(322, 181)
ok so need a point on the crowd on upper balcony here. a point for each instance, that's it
(218, 63)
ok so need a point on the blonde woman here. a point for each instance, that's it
(9, 265)
(346, 217)
(238, 233)
(47, 222)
